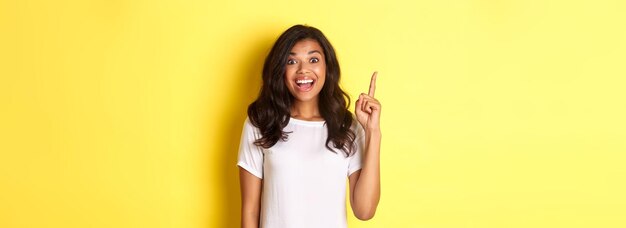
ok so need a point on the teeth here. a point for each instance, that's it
(304, 81)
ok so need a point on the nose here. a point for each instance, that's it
(303, 68)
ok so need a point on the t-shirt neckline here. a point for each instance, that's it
(306, 122)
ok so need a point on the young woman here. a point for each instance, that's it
(300, 142)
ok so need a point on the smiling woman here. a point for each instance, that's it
(300, 141)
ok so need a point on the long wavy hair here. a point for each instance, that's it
(270, 112)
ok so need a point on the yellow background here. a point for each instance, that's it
(117, 113)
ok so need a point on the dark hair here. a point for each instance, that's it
(270, 112)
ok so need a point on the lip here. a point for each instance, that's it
(304, 89)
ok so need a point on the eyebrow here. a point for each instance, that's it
(311, 52)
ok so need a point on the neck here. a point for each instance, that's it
(306, 110)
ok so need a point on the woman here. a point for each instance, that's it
(300, 141)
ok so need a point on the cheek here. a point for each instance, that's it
(289, 73)
(321, 72)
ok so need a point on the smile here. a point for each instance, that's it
(304, 85)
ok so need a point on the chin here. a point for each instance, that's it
(305, 98)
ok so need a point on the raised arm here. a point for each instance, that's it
(365, 183)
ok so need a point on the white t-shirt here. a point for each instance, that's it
(304, 183)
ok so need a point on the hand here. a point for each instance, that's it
(367, 108)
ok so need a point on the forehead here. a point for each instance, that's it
(306, 46)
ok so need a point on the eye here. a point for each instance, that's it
(314, 60)
(291, 62)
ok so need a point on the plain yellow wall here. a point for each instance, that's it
(506, 113)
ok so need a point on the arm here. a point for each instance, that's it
(250, 199)
(365, 183)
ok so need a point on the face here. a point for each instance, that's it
(305, 70)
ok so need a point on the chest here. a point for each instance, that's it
(304, 154)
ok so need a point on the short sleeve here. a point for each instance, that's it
(250, 156)
(356, 162)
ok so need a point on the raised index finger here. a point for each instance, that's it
(373, 84)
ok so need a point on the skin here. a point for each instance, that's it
(308, 61)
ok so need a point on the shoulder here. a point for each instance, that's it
(248, 123)
(249, 127)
